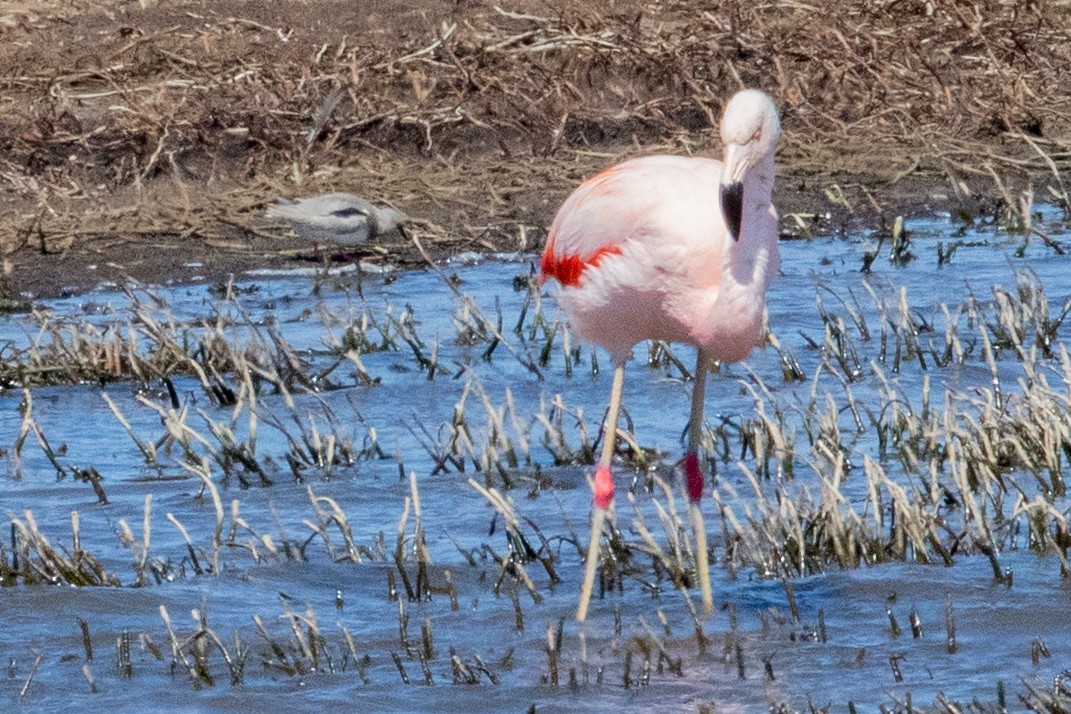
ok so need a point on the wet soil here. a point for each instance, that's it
(144, 140)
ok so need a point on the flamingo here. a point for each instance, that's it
(672, 248)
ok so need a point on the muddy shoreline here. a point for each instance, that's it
(146, 140)
(83, 263)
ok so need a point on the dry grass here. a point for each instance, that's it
(182, 121)
(835, 480)
(942, 474)
(478, 121)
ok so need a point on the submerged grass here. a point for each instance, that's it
(836, 464)
(476, 125)
(833, 480)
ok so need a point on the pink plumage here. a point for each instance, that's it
(674, 248)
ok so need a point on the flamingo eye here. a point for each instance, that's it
(757, 134)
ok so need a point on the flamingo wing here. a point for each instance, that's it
(661, 202)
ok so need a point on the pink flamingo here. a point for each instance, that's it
(673, 248)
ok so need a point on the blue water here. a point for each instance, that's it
(996, 625)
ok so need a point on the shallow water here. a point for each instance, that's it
(996, 625)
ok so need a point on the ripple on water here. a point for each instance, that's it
(996, 626)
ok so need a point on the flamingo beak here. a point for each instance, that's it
(732, 187)
(732, 207)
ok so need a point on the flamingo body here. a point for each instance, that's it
(641, 252)
(672, 248)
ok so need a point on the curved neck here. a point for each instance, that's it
(759, 181)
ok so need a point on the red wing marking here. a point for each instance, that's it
(567, 269)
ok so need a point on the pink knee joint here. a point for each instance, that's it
(604, 487)
(694, 477)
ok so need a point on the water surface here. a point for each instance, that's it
(757, 653)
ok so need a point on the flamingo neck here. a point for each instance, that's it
(758, 184)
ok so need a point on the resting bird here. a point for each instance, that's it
(339, 218)
(671, 248)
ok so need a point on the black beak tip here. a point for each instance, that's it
(732, 207)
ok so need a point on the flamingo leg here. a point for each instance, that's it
(603, 491)
(695, 479)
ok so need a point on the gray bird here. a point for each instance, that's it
(340, 218)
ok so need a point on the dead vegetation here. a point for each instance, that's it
(844, 465)
(957, 472)
(177, 122)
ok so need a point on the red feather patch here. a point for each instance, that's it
(567, 269)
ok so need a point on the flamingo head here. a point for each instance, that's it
(750, 128)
